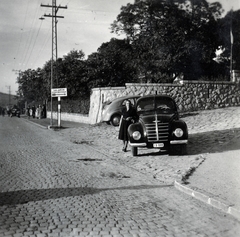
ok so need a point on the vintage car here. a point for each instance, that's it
(111, 112)
(158, 126)
(15, 112)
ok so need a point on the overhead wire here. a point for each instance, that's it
(43, 46)
(20, 41)
(34, 43)
(30, 38)
(47, 39)
(31, 41)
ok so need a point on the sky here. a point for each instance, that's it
(26, 41)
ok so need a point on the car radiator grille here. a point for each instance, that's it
(157, 132)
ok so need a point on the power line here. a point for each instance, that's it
(21, 32)
(47, 38)
(34, 43)
(31, 33)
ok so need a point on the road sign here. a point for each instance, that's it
(59, 92)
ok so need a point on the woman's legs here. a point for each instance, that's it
(125, 144)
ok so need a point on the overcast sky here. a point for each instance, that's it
(25, 41)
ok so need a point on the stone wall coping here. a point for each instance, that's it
(210, 82)
(180, 85)
(153, 84)
(109, 88)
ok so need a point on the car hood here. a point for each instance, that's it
(160, 118)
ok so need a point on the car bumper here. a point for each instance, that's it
(144, 144)
(176, 142)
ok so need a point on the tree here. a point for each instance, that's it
(72, 74)
(111, 65)
(170, 37)
(31, 86)
(229, 33)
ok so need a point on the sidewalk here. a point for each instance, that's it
(217, 180)
(46, 122)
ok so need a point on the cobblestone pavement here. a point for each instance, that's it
(210, 132)
(55, 183)
(211, 166)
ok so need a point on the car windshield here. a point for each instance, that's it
(160, 104)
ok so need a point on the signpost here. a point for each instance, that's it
(59, 92)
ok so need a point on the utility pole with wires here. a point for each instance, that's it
(18, 72)
(54, 17)
(9, 96)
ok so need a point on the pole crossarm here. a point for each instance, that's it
(49, 15)
(43, 5)
(16, 71)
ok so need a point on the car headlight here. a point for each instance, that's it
(136, 135)
(178, 132)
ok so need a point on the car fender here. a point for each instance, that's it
(178, 124)
(136, 127)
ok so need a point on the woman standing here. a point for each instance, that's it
(129, 115)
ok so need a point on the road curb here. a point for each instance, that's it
(208, 200)
(32, 122)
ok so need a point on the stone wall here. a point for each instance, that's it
(73, 117)
(189, 96)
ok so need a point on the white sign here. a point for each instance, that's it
(59, 92)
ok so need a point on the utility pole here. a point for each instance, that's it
(18, 72)
(9, 96)
(54, 17)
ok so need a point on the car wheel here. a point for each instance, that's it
(134, 151)
(115, 120)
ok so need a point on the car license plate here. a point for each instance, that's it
(158, 145)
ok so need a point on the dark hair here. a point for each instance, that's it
(127, 101)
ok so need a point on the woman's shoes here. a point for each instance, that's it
(124, 149)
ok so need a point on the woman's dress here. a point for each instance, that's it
(123, 127)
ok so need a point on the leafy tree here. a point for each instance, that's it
(31, 85)
(170, 37)
(230, 26)
(72, 74)
(111, 65)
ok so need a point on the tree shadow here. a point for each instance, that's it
(188, 114)
(33, 195)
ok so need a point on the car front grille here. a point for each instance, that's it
(157, 132)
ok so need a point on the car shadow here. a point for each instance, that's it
(25, 196)
(152, 153)
(205, 142)
(214, 141)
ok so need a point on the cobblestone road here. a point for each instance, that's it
(51, 185)
(210, 131)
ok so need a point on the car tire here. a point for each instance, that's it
(134, 151)
(183, 149)
(178, 150)
(115, 120)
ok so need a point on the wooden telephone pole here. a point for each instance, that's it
(54, 17)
